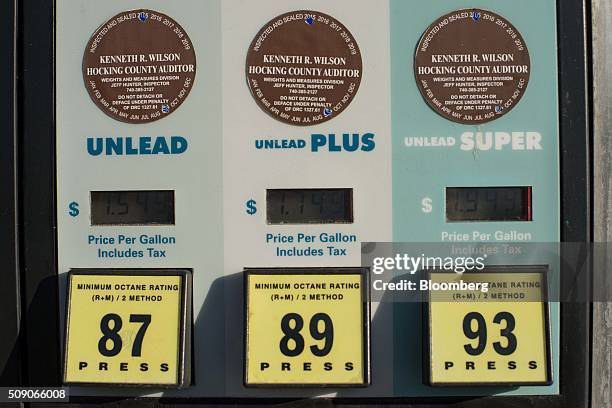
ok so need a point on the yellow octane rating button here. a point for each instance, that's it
(498, 336)
(126, 329)
(306, 327)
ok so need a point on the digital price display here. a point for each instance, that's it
(488, 204)
(306, 327)
(128, 327)
(310, 206)
(132, 207)
(497, 336)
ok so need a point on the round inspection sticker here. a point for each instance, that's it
(304, 68)
(472, 66)
(139, 66)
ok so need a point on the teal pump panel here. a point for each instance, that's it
(432, 153)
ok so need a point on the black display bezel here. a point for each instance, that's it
(11, 353)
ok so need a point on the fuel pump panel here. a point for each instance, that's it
(220, 165)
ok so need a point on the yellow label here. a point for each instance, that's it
(492, 336)
(305, 329)
(124, 329)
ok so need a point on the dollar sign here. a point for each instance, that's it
(73, 209)
(251, 209)
(426, 205)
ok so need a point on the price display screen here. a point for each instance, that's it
(310, 206)
(488, 204)
(127, 328)
(132, 207)
(500, 336)
(306, 327)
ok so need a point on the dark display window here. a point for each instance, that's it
(132, 207)
(488, 204)
(310, 206)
